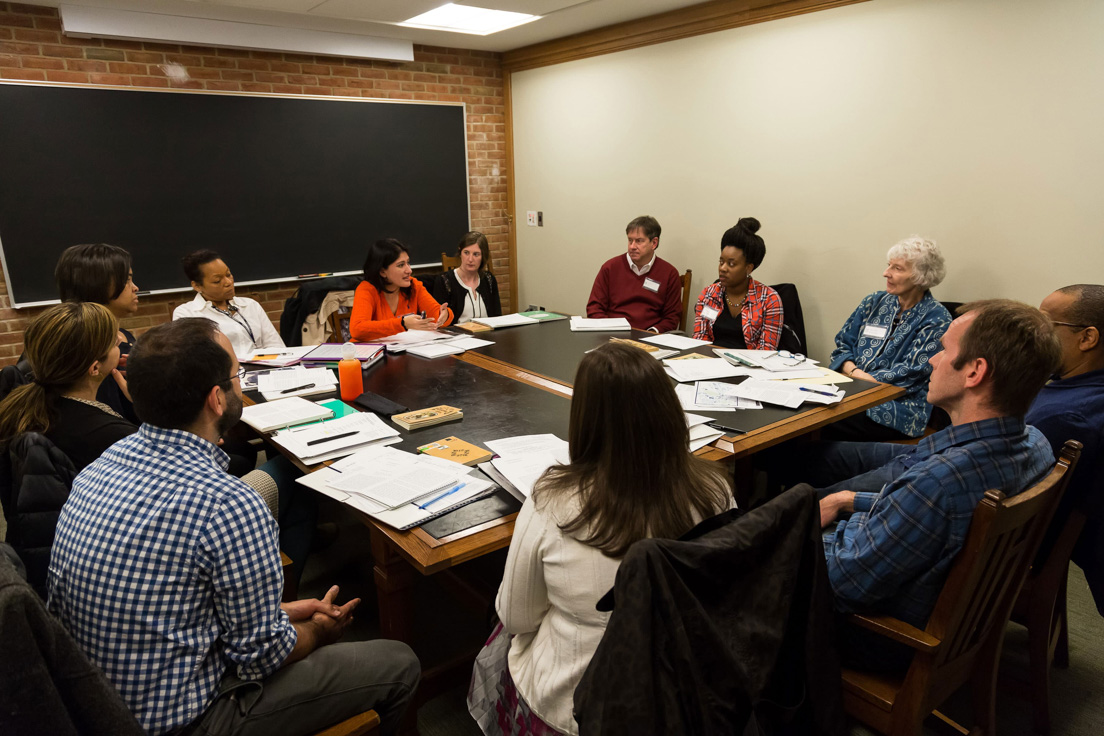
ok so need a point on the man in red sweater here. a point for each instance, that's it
(639, 286)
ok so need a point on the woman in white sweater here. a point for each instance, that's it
(631, 476)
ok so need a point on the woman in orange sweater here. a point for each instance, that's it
(390, 300)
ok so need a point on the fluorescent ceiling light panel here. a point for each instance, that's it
(468, 19)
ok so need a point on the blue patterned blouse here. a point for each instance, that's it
(895, 356)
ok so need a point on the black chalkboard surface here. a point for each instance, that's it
(281, 186)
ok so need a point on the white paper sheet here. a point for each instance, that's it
(686, 392)
(707, 369)
(435, 349)
(678, 342)
(778, 392)
(506, 320)
(366, 426)
(528, 443)
(283, 413)
(714, 394)
(281, 356)
(608, 324)
(276, 381)
(702, 435)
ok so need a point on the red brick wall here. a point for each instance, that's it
(32, 47)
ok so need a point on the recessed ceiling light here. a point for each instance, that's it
(468, 19)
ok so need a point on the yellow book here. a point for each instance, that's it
(457, 450)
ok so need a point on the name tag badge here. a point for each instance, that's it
(709, 314)
(878, 332)
(651, 285)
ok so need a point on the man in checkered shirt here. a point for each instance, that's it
(166, 570)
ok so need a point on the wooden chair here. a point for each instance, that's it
(1041, 607)
(362, 724)
(339, 325)
(449, 262)
(962, 641)
(685, 278)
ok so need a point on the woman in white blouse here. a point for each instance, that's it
(470, 290)
(240, 318)
(631, 476)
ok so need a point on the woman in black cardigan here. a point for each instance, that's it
(470, 290)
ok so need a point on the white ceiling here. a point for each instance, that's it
(377, 17)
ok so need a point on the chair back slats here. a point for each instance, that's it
(987, 574)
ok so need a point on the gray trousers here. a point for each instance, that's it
(326, 687)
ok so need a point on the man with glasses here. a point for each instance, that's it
(166, 570)
(1071, 407)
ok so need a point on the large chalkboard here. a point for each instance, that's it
(282, 186)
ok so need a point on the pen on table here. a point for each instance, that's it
(435, 499)
(723, 427)
(332, 437)
(297, 388)
(814, 391)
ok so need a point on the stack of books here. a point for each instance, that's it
(427, 417)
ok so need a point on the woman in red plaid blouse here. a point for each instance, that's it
(736, 311)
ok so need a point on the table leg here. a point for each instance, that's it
(395, 580)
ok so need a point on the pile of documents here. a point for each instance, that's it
(327, 440)
(398, 488)
(506, 320)
(279, 357)
(522, 460)
(296, 381)
(610, 324)
(701, 434)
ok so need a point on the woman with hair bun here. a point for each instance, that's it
(736, 311)
(889, 338)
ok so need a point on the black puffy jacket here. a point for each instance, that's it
(35, 478)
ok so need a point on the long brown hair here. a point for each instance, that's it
(630, 465)
(62, 343)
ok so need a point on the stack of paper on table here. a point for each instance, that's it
(786, 394)
(283, 413)
(522, 460)
(676, 342)
(542, 316)
(336, 438)
(701, 435)
(331, 352)
(767, 359)
(402, 341)
(369, 471)
(451, 346)
(608, 324)
(686, 371)
(278, 357)
(506, 320)
(298, 381)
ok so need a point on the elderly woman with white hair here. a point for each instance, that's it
(889, 338)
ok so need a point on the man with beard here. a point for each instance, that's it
(166, 570)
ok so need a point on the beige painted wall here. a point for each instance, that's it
(979, 123)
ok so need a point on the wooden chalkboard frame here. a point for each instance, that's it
(64, 179)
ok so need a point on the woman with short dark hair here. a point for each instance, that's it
(102, 274)
(470, 290)
(631, 476)
(243, 320)
(736, 311)
(390, 300)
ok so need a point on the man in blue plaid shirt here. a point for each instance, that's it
(166, 570)
(907, 509)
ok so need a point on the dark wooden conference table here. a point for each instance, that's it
(521, 384)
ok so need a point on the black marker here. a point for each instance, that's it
(333, 437)
(722, 427)
(297, 388)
